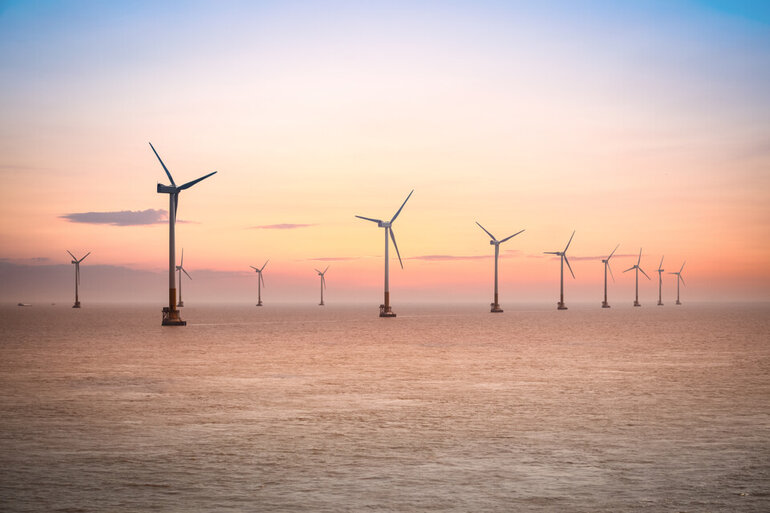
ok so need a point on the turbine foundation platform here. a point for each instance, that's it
(660, 303)
(677, 302)
(495, 308)
(561, 306)
(180, 303)
(76, 305)
(321, 304)
(259, 304)
(385, 311)
(171, 317)
(605, 304)
(636, 303)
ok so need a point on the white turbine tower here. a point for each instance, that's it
(323, 283)
(495, 306)
(636, 297)
(606, 263)
(77, 276)
(260, 281)
(678, 279)
(660, 282)
(180, 269)
(170, 313)
(385, 310)
(563, 254)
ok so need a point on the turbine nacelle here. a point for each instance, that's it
(166, 189)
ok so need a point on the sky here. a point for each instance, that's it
(644, 124)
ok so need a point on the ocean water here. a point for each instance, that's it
(289, 408)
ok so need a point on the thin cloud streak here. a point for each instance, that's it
(442, 258)
(334, 259)
(281, 226)
(121, 218)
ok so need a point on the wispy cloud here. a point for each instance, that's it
(281, 226)
(333, 259)
(442, 258)
(596, 257)
(121, 218)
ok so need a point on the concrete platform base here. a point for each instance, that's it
(660, 304)
(259, 304)
(76, 305)
(386, 311)
(605, 304)
(678, 303)
(561, 306)
(636, 303)
(180, 303)
(171, 317)
(321, 304)
(495, 308)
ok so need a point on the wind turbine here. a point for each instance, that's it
(385, 310)
(636, 298)
(563, 255)
(606, 263)
(170, 313)
(323, 283)
(495, 306)
(180, 269)
(77, 276)
(260, 282)
(660, 282)
(678, 279)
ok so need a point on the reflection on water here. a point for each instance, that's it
(334, 409)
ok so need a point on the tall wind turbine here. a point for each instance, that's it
(606, 263)
(636, 298)
(495, 306)
(77, 276)
(660, 281)
(180, 269)
(678, 279)
(260, 281)
(170, 313)
(385, 310)
(323, 283)
(563, 255)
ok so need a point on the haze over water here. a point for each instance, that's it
(290, 408)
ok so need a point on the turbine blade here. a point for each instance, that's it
(263, 267)
(660, 266)
(254, 268)
(512, 236)
(610, 268)
(323, 281)
(680, 270)
(370, 219)
(73, 256)
(639, 260)
(492, 236)
(181, 262)
(569, 267)
(644, 273)
(569, 242)
(613, 251)
(327, 268)
(551, 252)
(680, 277)
(183, 270)
(629, 269)
(190, 184)
(261, 279)
(316, 270)
(176, 204)
(393, 238)
(173, 183)
(402, 206)
(84, 257)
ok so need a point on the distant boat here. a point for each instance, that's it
(23, 304)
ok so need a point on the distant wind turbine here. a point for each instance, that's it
(495, 306)
(77, 276)
(171, 314)
(180, 269)
(606, 263)
(385, 310)
(260, 281)
(563, 255)
(636, 298)
(660, 281)
(678, 279)
(323, 283)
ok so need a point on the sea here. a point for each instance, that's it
(292, 408)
